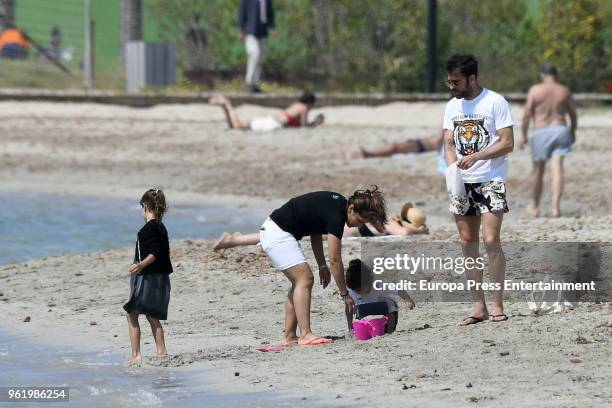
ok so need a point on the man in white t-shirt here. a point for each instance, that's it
(478, 135)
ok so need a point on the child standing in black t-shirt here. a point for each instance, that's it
(150, 275)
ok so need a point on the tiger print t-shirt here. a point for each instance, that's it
(474, 124)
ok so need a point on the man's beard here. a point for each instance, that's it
(461, 94)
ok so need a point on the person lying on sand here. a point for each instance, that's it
(368, 301)
(423, 145)
(411, 221)
(295, 115)
(315, 214)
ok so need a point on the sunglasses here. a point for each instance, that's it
(454, 83)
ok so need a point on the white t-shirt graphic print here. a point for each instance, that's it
(474, 124)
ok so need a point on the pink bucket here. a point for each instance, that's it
(366, 329)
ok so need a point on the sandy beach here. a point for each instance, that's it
(224, 305)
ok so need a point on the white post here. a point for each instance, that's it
(87, 54)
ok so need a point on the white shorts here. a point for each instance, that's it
(280, 246)
(265, 124)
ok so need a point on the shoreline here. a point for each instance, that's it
(254, 204)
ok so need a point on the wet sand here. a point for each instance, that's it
(224, 305)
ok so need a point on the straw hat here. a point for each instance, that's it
(415, 216)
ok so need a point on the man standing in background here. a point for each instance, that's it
(255, 17)
(548, 102)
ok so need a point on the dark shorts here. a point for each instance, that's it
(484, 197)
(364, 231)
(420, 146)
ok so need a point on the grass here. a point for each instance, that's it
(44, 75)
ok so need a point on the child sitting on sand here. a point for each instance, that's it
(369, 301)
(150, 275)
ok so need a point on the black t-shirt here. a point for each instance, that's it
(321, 212)
(153, 239)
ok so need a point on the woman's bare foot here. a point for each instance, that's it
(289, 341)
(555, 213)
(532, 210)
(312, 340)
(135, 360)
(223, 242)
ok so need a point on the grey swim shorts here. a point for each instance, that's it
(550, 140)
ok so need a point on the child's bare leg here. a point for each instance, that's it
(302, 280)
(134, 331)
(291, 322)
(158, 335)
(227, 240)
(230, 114)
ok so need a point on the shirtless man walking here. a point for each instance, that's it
(548, 102)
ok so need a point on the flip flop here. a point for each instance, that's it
(505, 317)
(476, 320)
(319, 341)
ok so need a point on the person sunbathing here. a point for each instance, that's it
(410, 221)
(295, 115)
(423, 145)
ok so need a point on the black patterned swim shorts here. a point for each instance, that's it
(489, 196)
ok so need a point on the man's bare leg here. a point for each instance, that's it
(227, 240)
(533, 208)
(491, 231)
(556, 169)
(302, 280)
(158, 335)
(134, 331)
(468, 227)
(230, 113)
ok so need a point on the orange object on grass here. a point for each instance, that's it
(13, 36)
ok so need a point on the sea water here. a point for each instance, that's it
(34, 225)
(103, 380)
